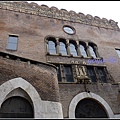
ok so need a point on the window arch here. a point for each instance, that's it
(88, 108)
(73, 48)
(92, 48)
(83, 49)
(62, 47)
(16, 107)
(92, 96)
(51, 46)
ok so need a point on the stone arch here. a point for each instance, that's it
(94, 96)
(15, 83)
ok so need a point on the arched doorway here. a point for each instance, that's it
(85, 95)
(16, 107)
(89, 108)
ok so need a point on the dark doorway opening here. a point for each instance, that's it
(16, 107)
(89, 108)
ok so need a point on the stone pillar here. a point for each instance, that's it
(46, 46)
(57, 45)
(78, 48)
(88, 50)
(96, 51)
(68, 46)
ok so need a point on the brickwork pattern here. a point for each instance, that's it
(32, 26)
(42, 77)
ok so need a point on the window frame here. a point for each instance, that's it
(63, 76)
(12, 42)
(104, 74)
(93, 70)
(75, 46)
(93, 51)
(68, 75)
(65, 49)
(85, 49)
(116, 49)
(55, 45)
(70, 27)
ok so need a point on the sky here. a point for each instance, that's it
(102, 9)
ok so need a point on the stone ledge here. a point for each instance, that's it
(63, 14)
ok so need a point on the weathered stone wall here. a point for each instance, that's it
(42, 77)
(32, 25)
(107, 91)
(63, 14)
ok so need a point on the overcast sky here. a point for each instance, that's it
(102, 9)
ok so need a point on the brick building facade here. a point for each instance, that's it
(57, 64)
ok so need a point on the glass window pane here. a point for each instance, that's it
(102, 74)
(51, 47)
(63, 48)
(12, 46)
(13, 39)
(91, 74)
(52, 51)
(82, 50)
(68, 30)
(68, 73)
(12, 42)
(92, 52)
(67, 70)
(73, 50)
(51, 43)
(118, 52)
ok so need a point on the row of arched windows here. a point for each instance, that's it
(71, 47)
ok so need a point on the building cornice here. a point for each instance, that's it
(53, 12)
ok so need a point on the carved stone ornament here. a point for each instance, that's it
(53, 12)
(81, 74)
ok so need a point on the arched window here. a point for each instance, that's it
(89, 108)
(73, 49)
(82, 50)
(51, 46)
(63, 48)
(92, 50)
(16, 107)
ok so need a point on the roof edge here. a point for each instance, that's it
(63, 14)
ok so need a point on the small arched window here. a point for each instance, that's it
(63, 48)
(83, 50)
(51, 46)
(73, 49)
(92, 50)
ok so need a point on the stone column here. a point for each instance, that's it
(68, 46)
(46, 46)
(57, 45)
(78, 48)
(96, 51)
(88, 50)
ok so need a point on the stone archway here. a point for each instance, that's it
(15, 83)
(90, 108)
(93, 96)
(16, 107)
